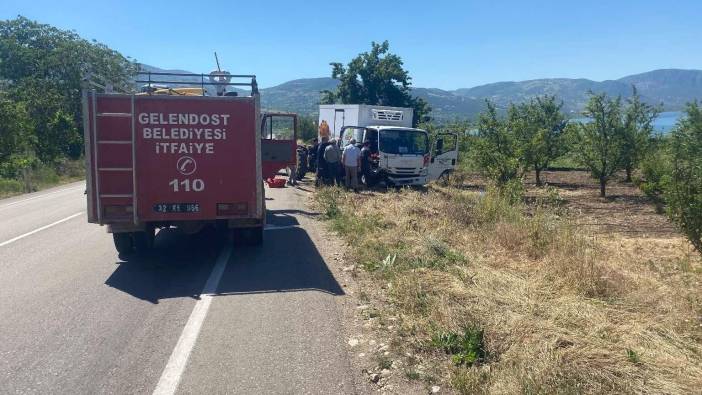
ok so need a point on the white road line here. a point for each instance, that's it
(4, 243)
(172, 373)
(40, 196)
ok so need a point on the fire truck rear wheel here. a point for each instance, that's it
(248, 236)
(143, 241)
(123, 243)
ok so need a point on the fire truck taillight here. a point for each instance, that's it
(240, 208)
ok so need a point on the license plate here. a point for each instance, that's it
(177, 208)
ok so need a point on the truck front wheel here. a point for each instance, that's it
(123, 243)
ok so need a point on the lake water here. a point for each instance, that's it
(665, 122)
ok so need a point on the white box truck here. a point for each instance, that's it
(400, 154)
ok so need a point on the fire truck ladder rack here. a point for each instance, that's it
(204, 80)
(100, 144)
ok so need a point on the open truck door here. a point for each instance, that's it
(444, 156)
(358, 133)
(278, 142)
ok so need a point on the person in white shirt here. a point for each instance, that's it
(351, 159)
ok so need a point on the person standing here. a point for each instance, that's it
(322, 166)
(312, 152)
(292, 175)
(332, 155)
(324, 130)
(351, 159)
(302, 166)
(366, 162)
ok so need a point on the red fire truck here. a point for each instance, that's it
(179, 157)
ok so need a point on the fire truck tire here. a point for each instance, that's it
(143, 241)
(123, 243)
(248, 236)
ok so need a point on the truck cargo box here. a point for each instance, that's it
(339, 115)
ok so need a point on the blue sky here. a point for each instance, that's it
(444, 44)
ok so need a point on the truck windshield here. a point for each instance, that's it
(404, 142)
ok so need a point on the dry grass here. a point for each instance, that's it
(564, 308)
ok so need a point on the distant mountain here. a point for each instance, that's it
(672, 87)
(447, 105)
(301, 96)
(573, 92)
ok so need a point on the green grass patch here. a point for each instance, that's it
(466, 348)
(632, 356)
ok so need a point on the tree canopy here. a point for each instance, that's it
(539, 127)
(598, 143)
(496, 149)
(41, 69)
(637, 131)
(376, 77)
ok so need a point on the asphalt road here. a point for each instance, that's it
(76, 318)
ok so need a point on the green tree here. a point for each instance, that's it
(683, 193)
(378, 78)
(496, 149)
(598, 143)
(637, 132)
(15, 137)
(43, 68)
(539, 126)
(307, 128)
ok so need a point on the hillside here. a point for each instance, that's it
(301, 96)
(573, 92)
(672, 87)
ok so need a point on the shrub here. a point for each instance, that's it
(10, 186)
(656, 169)
(39, 177)
(497, 204)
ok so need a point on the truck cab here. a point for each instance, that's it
(400, 155)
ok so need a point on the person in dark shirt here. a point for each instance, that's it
(312, 152)
(366, 162)
(322, 167)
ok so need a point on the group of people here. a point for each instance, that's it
(332, 163)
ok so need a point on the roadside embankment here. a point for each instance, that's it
(484, 291)
(43, 177)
